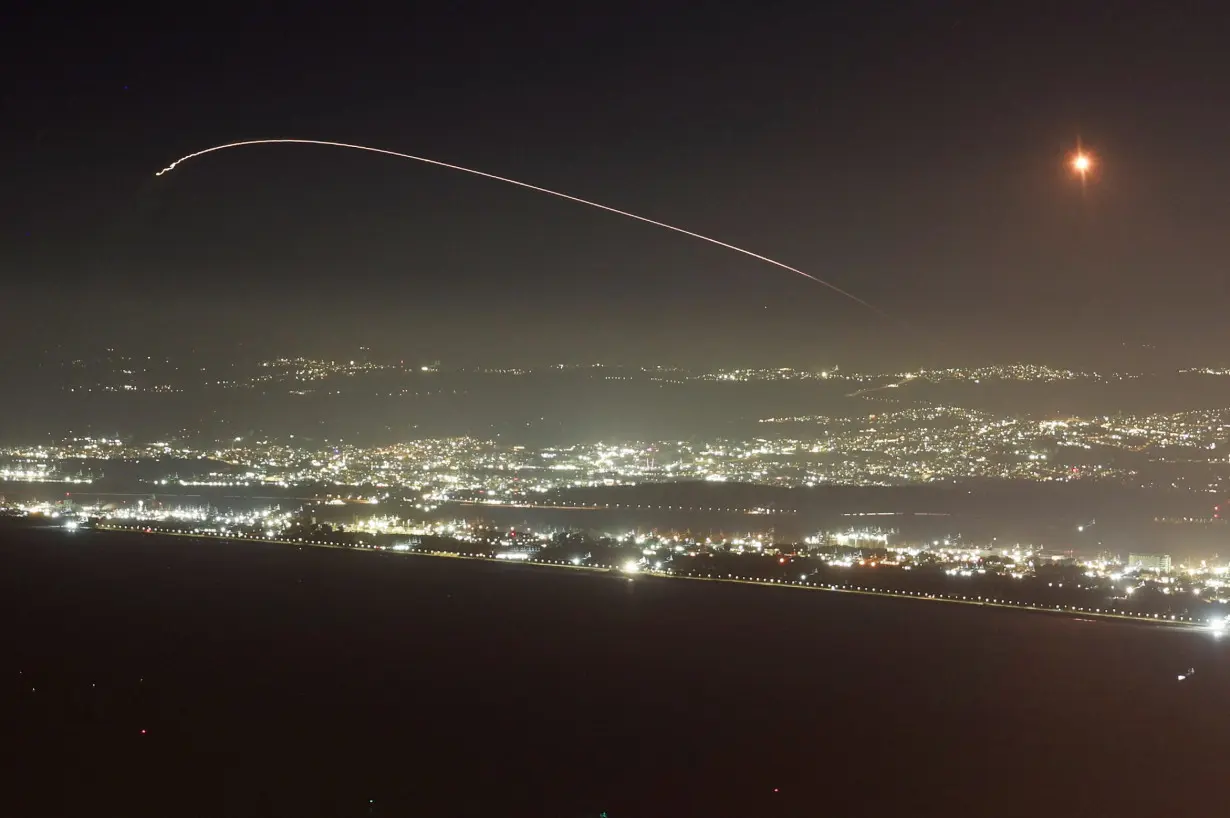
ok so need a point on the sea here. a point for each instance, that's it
(142, 675)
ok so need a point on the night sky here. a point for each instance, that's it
(912, 153)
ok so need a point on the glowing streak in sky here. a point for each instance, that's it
(527, 186)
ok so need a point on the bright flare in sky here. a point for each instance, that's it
(1081, 162)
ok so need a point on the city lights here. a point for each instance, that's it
(396, 496)
(868, 560)
(900, 443)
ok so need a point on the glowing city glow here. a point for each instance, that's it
(527, 186)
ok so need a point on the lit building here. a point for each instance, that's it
(1150, 562)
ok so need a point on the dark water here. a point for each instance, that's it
(274, 681)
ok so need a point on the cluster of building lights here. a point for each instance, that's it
(899, 442)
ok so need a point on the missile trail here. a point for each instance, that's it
(528, 186)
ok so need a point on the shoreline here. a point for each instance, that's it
(1073, 613)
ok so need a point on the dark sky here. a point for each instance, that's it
(912, 153)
